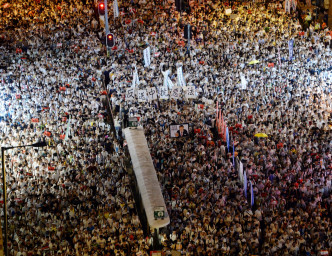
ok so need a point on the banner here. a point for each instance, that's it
(245, 184)
(135, 78)
(116, 8)
(190, 92)
(169, 83)
(181, 81)
(176, 92)
(147, 55)
(152, 93)
(130, 94)
(252, 194)
(163, 93)
(290, 47)
(141, 96)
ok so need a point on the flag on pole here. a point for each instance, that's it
(233, 154)
(227, 138)
(241, 171)
(252, 194)
(245, 184)
(217, 113)
(243, 82)
(225, 128)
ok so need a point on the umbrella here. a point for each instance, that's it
(261, 135)
(253, 62)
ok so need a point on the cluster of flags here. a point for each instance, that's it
(223, 131)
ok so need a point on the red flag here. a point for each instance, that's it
(225, 126)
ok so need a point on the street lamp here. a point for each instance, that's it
(3, 149)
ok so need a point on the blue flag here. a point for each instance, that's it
(233, 155)
(227, 138)
(252, 194)
(245, 184)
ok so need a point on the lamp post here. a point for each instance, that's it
(5, 223)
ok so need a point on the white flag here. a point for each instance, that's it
(169, 83)
(141, 95)
(243, 82)
(146, 54)
(116, 8)
(165, 74)
(135, 79)
(130, 94)
(181, 81)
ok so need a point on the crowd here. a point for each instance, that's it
(74, 198)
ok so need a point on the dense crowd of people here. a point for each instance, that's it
(73, 197)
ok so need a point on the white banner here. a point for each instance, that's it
(176, 92)
(130, 94)
(135, 78)
(147, 54)
(152, 93)
(181, 81)
(116, 8)
(141, 95)
(191, 92)
(163, 93)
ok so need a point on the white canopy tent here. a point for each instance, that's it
(146, 176)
